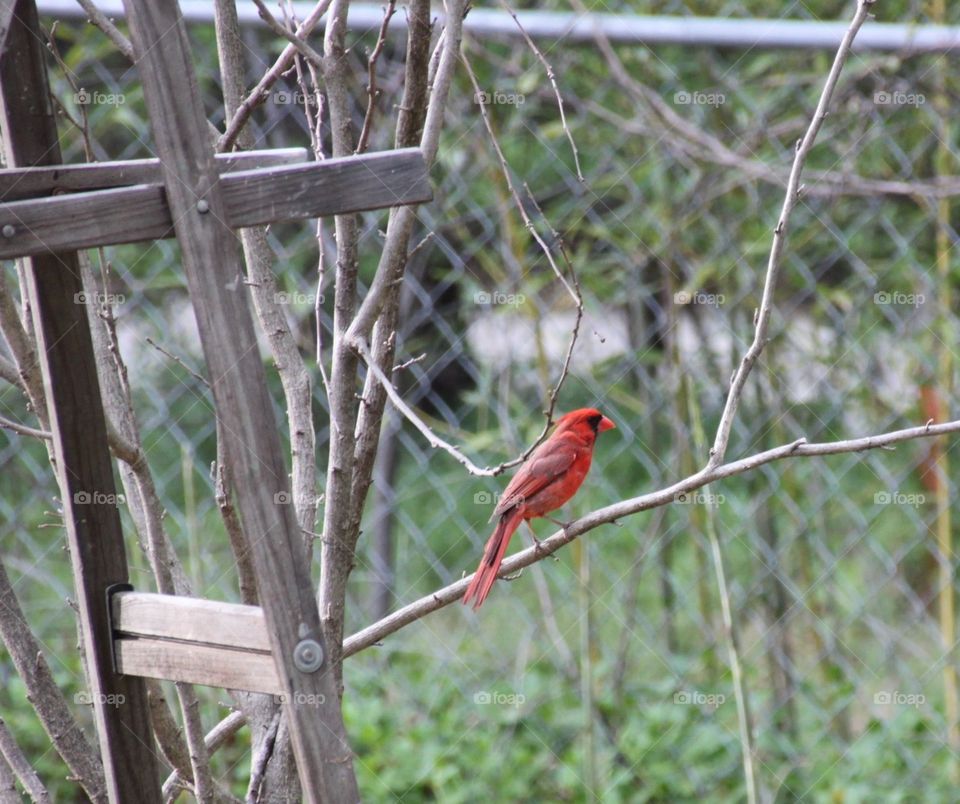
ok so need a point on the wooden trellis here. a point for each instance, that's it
(47, 212)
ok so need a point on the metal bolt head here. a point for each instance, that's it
(308, 656)
(9, 231)
(203, 206)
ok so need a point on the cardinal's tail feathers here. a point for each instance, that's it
(493, 554)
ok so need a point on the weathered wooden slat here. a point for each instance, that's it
(254, 456)
(190, 619)
(34, 182)
(84, 220)
(316, 189)
(252, 197)
(213, 665)
(75, 407)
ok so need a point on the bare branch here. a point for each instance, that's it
(261, 758)
(335, 562)
(373, 634)
(553, 82)
(372, 77)
(23, 351)
(98, 18)
(214, 739)
(302, 47)
(22, 429)
(505, 169)
(394, 261)
(199, 378)
(574, 333)
(572, 287)
(8, 372)
(20, 765)
(237, 536)
(260, 92)
(433, 440)
(407, 363)
(48, 702)
(412, 612)
(144, 503)
(167, 732)
(779, 238)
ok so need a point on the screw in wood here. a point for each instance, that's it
(308, 656)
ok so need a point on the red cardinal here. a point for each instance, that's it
(549, 478)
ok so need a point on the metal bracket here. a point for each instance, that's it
(112, 590)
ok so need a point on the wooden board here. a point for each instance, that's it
(190, 619)
(33, 182)
(251, 198)
(194, 663)
(254, 455)
(189, 639)
(84, 465)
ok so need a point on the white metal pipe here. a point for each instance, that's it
(620, 28)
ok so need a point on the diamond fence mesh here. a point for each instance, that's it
(603, 674)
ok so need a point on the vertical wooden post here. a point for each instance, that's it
(84, 466)
(212, 262)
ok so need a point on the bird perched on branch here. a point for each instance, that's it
(550, 477)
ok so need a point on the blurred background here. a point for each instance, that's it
(603, 674)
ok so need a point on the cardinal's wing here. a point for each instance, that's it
(548, 463)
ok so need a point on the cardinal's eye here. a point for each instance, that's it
(595, 421)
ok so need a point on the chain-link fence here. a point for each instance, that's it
(605, 674)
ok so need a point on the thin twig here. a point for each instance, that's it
(372, 91)
(178, 361)
(167, 732)
(22, 429)
(96, 17)
(406, 364)
(432, 439)
(574, 332)
(774, 264)
(22, 347)
(260, 760)
(505, 169)
(572, 287)
(83, 124)
(553, 82)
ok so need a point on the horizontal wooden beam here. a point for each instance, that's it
(190, 619)
(252, 197)
(35, 182)
(188, 639)
(210, 665)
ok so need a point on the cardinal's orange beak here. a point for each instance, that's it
(605, 424)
